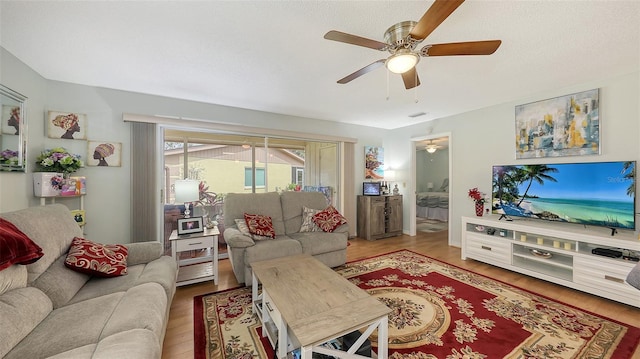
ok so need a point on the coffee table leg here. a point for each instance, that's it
(383, 337)
(306, 352)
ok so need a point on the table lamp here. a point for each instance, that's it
(187, 191)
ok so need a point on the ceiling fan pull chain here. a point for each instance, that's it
(416, 87)
(387, 85)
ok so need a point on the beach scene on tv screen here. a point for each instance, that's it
(596, 193)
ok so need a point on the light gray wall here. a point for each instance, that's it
(108, 199)
(486, 137)
(431, 168)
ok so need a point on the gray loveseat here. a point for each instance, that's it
(50, 311)
(286, 212)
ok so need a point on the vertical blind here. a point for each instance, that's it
(144, 226)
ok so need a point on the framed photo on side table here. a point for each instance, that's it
(190, 225)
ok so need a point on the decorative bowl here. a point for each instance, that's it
(539, 253)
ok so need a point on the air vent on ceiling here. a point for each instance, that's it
(417, 114)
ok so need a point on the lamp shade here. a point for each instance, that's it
(187, 191)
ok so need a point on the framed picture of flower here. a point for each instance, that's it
(67, 125)
(104, 153)
(562, 126)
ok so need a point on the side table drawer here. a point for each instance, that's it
(188, 244)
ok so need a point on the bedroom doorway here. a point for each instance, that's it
(431, 183)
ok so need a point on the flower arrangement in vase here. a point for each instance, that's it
(9, 157)
(57, 164)
(58, 160)
(478, 198)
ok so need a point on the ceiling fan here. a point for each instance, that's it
(402, 39)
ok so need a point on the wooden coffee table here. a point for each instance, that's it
(304, 304)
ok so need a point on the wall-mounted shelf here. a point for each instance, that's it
(556, 252)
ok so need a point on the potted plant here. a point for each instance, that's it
(54, 165)
(478, 198)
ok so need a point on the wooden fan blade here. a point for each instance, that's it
(362, 71)
(411, 79)
(437, 13)
(354, 40)
(461, 48)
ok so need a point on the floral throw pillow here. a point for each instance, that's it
(244, 229)
(260, 225)
(329, 219)
(16, 247)
(308, 225)
(101, 260)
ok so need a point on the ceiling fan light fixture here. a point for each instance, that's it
(402, 61)
(431, 148)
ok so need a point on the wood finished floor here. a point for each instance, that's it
(178, 342)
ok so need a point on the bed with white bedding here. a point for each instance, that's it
(433, 205)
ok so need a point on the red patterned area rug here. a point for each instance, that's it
(439, 311)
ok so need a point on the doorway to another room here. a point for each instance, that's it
(432, 177)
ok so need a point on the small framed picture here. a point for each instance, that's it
(104, 153)
(68, 125)
(190, 225)
(78, 216)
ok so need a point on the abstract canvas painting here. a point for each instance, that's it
(563, 126)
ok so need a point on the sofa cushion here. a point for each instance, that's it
(67, 328)
(308, 225)
(12, 278)
(329, 219)
(292, 204)
(51, 227)
(314, 243)
(60, 283)
(21, 310)
(276, 248)
(17, 248)
(260, 225)
(244, 229)
(267, 204)
(101, 260)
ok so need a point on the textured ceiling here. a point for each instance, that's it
(271, 55)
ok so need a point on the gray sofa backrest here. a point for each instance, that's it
(52, 227)
(292, 203)
(268, 204)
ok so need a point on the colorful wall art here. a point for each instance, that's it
(563, 126)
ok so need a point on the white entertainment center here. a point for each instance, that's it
(557, 252)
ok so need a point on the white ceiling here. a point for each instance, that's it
(271, 55)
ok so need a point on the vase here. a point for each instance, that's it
(43, 186)
(479, 209)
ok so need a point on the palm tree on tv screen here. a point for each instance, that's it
(629, 172)
(538, 173)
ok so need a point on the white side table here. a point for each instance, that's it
(201, 269)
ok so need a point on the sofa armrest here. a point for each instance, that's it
(633, 278)
(235, 238)
(343, 228)
(143, 252)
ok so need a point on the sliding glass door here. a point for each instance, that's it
(234, 163)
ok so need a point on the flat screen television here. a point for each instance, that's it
(592, 193)
(371, 189)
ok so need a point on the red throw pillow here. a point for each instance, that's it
(16, 247)
(260, 225)
(329, 219)
(101, 260)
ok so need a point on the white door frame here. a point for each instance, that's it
(412, 180)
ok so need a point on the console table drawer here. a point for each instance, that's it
(490, 249)
(189, 244)
(607, 276)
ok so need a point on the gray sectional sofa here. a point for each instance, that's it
(50, 311)
(286, 212)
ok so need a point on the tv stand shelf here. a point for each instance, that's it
(556, 252)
